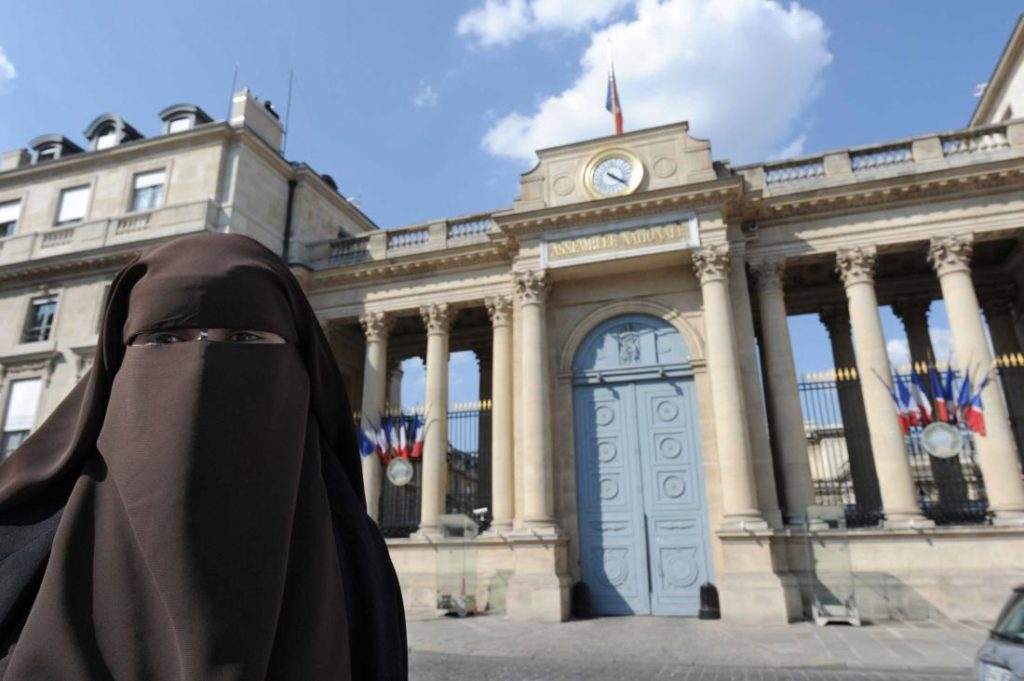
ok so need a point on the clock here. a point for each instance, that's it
(613, 172)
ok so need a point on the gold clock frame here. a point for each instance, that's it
(635, 180)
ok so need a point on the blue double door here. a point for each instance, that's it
(644, 545)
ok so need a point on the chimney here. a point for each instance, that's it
(14, 159)
(260, 118)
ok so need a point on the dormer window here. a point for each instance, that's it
(52, 147)
(179, 124)
(110, 130)
(107, 139)
(182, 117)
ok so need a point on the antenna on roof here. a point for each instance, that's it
(231, 95)
(287, 112)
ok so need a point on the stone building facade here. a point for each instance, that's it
(630, 312)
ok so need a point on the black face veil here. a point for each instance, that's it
(196, 510)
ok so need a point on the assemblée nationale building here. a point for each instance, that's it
(642, 428)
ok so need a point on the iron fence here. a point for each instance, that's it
(949, 491)
(469, 474)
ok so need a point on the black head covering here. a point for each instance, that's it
(196, 510)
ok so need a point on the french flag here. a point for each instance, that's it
(924, 405)
(367, 441)
(419, 426)
(941, 413)
(947, 393)
(964, 400)
(906, 402)
(403, 443)
(974, 413)
(382, 444)
(612, 100)
(904, 423)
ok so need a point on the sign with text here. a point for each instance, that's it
(609, 243)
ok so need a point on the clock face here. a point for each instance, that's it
(614, 175)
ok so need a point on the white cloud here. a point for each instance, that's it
(426, 96)
(794, 148)
(501, 22)
(741, 71)
(899, 350)
(7, 71)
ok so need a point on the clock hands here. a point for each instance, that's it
(615, 177)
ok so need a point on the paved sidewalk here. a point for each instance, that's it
(940, 646)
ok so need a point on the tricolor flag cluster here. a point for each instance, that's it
(915, 409)
(396, 436)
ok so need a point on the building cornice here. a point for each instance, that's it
(718, 193)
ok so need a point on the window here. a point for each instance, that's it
(9, 213)
(107, 138)
(179, 124)
(73, 203)
(22, 401)
(47, 154)
(40, 319)
(147, 190)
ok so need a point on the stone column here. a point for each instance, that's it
(784, 395)
(376, 326)
(757, 415)
(998, 313)
(998, 308)
(997, 451)
(856, 266)
(500, 310)
(739, 493)
(949, 478)
(395, 374)
(539, 493)
(836, 319)
(914, 316)
(436, 318)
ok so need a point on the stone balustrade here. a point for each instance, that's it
(432, 236)
(919, 154)
(96, 234)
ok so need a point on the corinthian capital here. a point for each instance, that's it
(531, 286)
(768, 273)
(436, 317)
(376, 325)
(951, 253)
(711, 263)
(856, 265)
(500, 310)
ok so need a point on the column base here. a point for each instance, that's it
(754, 585)
(744, 523)
(1008, 519)
(538, 590)
(906, 521)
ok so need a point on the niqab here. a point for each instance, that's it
(195, 510)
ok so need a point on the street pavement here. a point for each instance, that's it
(639, 648)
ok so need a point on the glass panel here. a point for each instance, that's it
(10, 441)
(73, 203)
(146, 198)
(10, 211)
(40, 320)
(149, 179)
(21, 404)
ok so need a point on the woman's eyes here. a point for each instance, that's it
(244, 337)
(164, 338)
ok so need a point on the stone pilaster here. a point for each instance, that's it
(739, 496)
(502, 473)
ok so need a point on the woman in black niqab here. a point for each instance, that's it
(195, 510)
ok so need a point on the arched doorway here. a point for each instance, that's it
(640, 482)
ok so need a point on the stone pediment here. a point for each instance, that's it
(668, 155)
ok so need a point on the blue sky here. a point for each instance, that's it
(430, 109)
